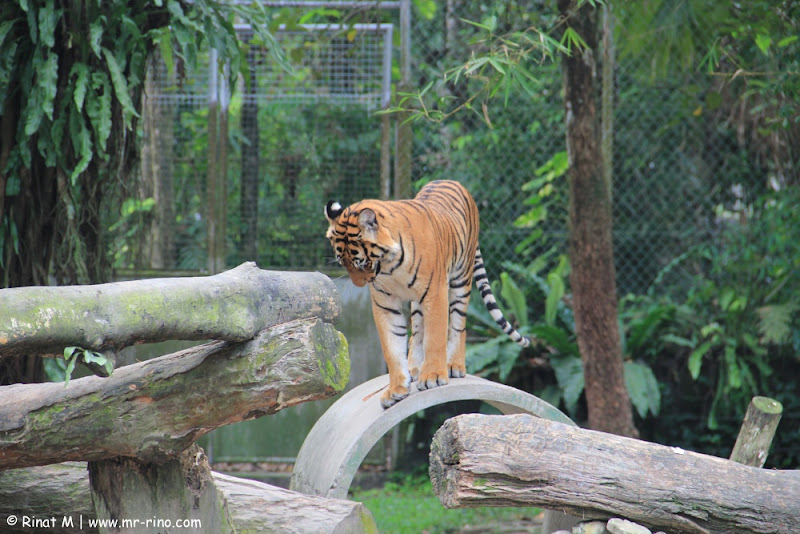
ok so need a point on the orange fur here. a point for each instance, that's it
(424, 251)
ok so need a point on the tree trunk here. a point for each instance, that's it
(154, 409)
(158, 242)
(248, 207)
(231, 306)
(592, 275)
(521, 460)
(62, 491)
(143, 497)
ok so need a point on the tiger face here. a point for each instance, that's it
(354, 235)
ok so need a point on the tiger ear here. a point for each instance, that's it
(332, 210)
(368, 223)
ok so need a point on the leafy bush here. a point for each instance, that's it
(696, 353)
(734, 332)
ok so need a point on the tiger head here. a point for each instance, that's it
(356, 238)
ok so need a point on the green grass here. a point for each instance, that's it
(409, 506)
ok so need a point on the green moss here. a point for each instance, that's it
(335, 372)
(45, 417)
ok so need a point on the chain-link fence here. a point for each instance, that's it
(291, 141)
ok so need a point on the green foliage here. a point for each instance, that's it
(70, 87)
(61, 370)
(408, 504)
(498, 66)
(744, 304)
(728, 335)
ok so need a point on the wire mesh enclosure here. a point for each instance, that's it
(285, 142)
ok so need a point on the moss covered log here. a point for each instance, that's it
(155, 409)
(231, 306)
(520, 460)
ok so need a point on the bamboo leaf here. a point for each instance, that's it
(475, 63)
(763, 43)
(572, 39)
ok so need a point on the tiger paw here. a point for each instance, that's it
(431, 380)
(414, 373)
(457, 371)
(392, 395)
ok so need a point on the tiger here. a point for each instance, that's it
(423, 251)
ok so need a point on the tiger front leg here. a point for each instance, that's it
(392, 330)
(416, 350)
(434, 318)
(458, 298)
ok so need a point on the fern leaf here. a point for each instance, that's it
(775, 324)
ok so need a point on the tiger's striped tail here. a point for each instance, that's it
(482, 281)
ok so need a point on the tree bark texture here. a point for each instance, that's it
(240, 505)
(155, 497)
(520, 460)
(758, 429)
(154, 409)
(60, 490)
(158, 250)
(592, 275)
(231, 306)
(258, 507)
(250, 178)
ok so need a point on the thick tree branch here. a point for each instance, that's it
(231, 306)
(154, 409)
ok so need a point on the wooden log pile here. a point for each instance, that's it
(273, 345)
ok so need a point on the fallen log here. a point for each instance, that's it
(152, 410)
(231, 306)
(520, 460)
(258, 507)
(61, 492)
